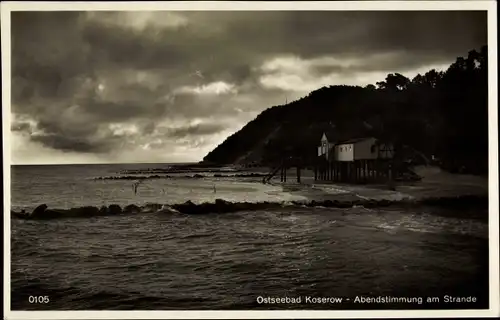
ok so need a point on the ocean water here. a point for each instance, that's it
(165, 261)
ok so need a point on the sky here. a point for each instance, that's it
(169, 86)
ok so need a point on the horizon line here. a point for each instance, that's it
(98, 163)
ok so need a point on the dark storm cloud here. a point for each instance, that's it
(21, 127)
(63, 143)
(75, 73)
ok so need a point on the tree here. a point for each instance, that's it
(394, 82)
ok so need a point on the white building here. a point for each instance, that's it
(354, 149)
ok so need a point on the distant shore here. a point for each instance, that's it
(436, 189)
(434, 182)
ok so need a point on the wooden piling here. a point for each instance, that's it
(355, 171)
(365, 177)
(370, 172)
(335, 171)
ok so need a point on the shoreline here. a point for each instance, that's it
(436, 190)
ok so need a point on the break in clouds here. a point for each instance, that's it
(170, 86)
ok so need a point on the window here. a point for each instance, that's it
(373, 148)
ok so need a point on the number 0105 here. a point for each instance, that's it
(38, 299)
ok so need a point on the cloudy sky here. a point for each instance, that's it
(170, 86)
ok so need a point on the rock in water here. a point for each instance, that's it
(87, 211)
(20, 215)
(114, 209)
(222, 206)
(132, 208)
(103, 210)
(187, 207)
(38, 212)
(51, 214)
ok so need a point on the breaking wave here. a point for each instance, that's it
(42, 212)
(166, 176)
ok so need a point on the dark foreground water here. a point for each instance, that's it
(233, 261)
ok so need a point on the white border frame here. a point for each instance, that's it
(490, 6)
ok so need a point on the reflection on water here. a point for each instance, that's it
(227, 260)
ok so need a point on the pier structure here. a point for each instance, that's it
(360, 160)
(287, 163)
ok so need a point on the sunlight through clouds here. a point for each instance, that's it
(106, 84)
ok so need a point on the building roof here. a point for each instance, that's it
(354, 140)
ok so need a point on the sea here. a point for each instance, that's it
(288, 257)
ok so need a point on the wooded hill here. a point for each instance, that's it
(440, 114)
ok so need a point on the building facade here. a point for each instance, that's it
(368, 148)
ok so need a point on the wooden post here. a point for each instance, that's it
(377, 170)
(349, 169)
(361, 171)
(342, 171)
(370, 170)
(365, 171)
(316, 171)
(335, 171)
(284, 174)
(356, 171)
(332, 171)
(338, 171)
(353, 171)
(359, 166)
(346, 171)
(298, 174)
(373, 170)
(363, 168)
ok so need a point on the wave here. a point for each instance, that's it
(42, 212)
(195, 176)
(179, 170)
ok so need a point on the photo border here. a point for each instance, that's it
(489, 6)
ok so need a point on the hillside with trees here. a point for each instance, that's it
(441, 115)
